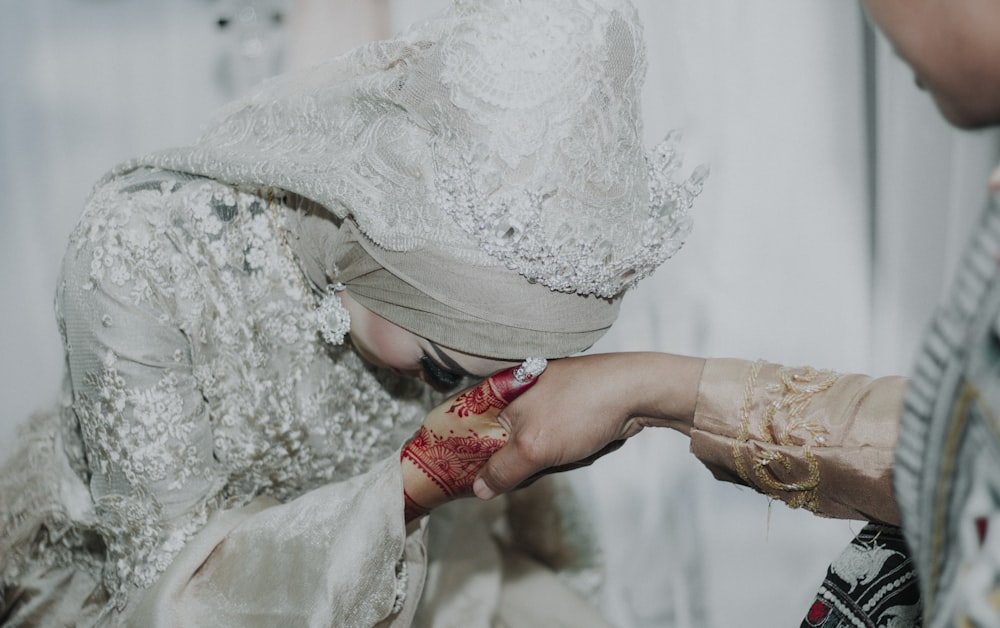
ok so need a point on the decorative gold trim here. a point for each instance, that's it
(743, 436)
(780, 419)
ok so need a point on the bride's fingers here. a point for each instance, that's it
(456, 439)
(509, 384)
(494, 393)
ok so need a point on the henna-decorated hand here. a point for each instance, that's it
(585, 407)
(441, 461)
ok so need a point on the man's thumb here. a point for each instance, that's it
(496, 475)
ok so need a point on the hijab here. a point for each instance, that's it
(482, 175)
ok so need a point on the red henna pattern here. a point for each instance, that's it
(495, 392)
(451, 462)
(477, 401)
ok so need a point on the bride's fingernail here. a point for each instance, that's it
(530, 369)
(514, 381)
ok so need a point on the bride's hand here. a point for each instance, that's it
(456, 438)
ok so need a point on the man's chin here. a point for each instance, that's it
(970, 117)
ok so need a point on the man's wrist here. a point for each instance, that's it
(667, 390)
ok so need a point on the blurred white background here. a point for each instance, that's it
(837, 206)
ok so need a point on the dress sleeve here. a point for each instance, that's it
(146, 430)
(175, 553)
(812, 438)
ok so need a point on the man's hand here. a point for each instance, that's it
(584, 407)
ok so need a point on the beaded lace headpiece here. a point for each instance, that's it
(506, 132)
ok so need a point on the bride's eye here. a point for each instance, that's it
(440, 378)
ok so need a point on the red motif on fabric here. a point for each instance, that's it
(451, 462)
(817, 613)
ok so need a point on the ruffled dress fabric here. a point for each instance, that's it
(213, 461)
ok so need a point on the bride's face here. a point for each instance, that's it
(385, 344)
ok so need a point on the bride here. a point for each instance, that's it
(243, 318)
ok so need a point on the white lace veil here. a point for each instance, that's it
(500, 134)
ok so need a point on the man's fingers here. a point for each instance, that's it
(511, 468)
(579, 464)
(613, 446)
(495, 392)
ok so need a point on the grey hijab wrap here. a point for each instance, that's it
(485, 311)
(490, 312)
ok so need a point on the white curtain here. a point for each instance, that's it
(835, 211)
(85, 84)
(770, 94)
(930, 186)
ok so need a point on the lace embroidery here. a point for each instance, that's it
(140, 545)
(199, 381)
(782, 424)
(507, 133)
(140, 433)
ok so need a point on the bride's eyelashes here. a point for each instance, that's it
(440, 378)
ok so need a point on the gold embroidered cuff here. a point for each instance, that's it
(812, 438)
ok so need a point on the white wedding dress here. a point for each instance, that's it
(214, 461)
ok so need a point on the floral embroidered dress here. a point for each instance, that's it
(199, 396)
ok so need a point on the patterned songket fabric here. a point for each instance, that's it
(871, 585)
